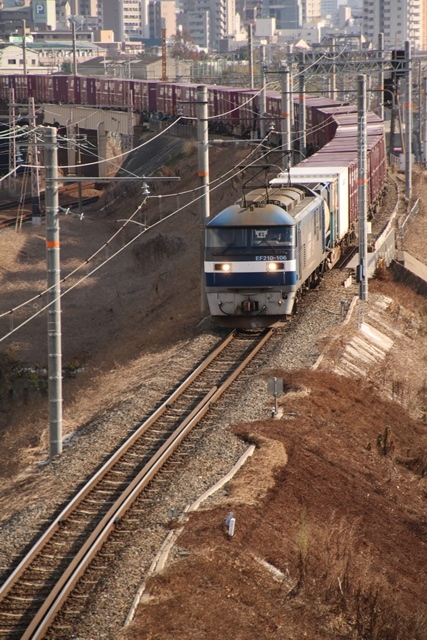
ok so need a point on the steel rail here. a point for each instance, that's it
(75, 570)
(44, 616)
(26, 561)
(53, 604)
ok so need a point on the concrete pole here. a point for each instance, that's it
(102, 149)
(302, 135)
(71, 145)
(12, 143)
(34, 155)
(333, 74)
(285, 121)
(262, 95)
(362, 187)
(73, 26)
(54, 291)
(251, 57)
(24, 46)
(424, 122)
(203, 157)
(408, 121)
(381, 76)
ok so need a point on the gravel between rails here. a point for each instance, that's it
(210, 454)
(208, 457)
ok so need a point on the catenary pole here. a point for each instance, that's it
(203, 158)
(262, 95)
(251, 57)
(408, 121)
(73, 26)
(424, 121)
(24, 47)
(362, 187)
(302, 134)
(285, 122)
(333, 73)
(381, 77)
(54, 291)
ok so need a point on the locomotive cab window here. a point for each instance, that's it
(226, 238)
(273, 236)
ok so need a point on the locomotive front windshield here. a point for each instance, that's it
(246, 239)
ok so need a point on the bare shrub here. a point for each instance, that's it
(330, 569)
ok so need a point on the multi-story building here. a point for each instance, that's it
(206, 20)
(124, 17)
(328, 8)
(398, 20)
(162, 15)
(288, 13)
(84, 7)
(311, 11)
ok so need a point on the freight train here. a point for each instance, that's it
(264, 251)
(230, 109)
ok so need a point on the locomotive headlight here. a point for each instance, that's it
(223, 266)
(275, 266)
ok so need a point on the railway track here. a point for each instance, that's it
(35, 592)
(26, 217)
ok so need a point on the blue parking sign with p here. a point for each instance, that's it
(40, 9)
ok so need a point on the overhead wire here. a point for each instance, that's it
(125, 153)
(223, 181)
(65, 278)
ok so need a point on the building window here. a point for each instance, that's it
(12, 61)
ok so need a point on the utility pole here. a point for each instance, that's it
(54, 291)
(424, 121)
(251, 57)
(12, 142)
(408, 121)
(164, 70)
(285, 121)
(381, 77)
(362, 270)
(203, 158)
(128, 146)
(34, 157)
(302, 135)
(73, 27)
(24, 47)
(333, 73)
(50, 144)
(262, 95)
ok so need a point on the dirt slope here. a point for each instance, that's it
(138, 293)
(331, 528)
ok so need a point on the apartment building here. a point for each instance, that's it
(83, 7)
(124, 17)
(206, 20)
(311, 11)
(161, 15)
(398, 20)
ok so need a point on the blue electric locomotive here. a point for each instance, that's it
(262, 252)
